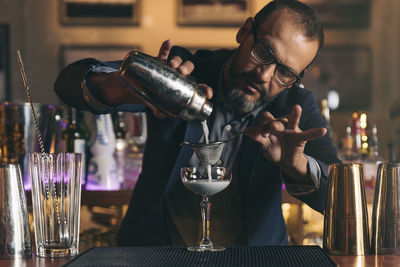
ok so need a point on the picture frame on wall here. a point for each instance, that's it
(72, 53)
(4, 63)
(99, 12)
(345, 70)
(342, 13)
(229, 13)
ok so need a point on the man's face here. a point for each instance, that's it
(252, 83)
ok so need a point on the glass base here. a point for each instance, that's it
(56, 252)
(200, 249)
(206, 248)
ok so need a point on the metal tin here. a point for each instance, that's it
(164, 88)
(386, 211)
(346, 218)
(15, 241)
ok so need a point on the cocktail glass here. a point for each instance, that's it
(206, 182)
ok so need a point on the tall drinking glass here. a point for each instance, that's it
(56, 199)
(206, 182)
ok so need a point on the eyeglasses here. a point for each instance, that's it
(264, 55)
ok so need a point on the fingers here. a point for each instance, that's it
(294, 117)
(271, 124)
(207, 89)
(312, 134)
(164, 50)
(184, 68)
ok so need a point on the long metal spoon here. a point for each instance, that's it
(28, 94)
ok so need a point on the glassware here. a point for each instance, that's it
(56, 199)
(15, 238)
(206, 182)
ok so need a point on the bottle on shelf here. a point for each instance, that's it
(136, 136)
(74, 140)
(347, 145)
(373, 160)
(86, 132)
(391, 152)
(121, 144)
(359, 129)
(102, 169)
(373, 147)
(325, 113)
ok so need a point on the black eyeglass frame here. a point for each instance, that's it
(274, 60)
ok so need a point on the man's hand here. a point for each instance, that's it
(185, 68)
(283, 142)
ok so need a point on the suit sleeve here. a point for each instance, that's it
(321, 149)
(68, 86)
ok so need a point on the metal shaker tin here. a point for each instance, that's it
(164, 88)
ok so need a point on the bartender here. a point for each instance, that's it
(249, 87)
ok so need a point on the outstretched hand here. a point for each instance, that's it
(283, 142)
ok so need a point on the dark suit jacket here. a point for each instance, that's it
(260, 180)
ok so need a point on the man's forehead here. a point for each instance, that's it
(277, 21)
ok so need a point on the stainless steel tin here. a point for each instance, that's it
(386, 210)
(164, 88)
(346, 218)
(15, 238)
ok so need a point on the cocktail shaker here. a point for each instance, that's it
(164, 88)
(15, 237)
(346, 218)
(386, 210)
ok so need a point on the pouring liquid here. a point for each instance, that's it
(206, 137)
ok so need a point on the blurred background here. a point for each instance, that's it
(355, 78)
(360, 61)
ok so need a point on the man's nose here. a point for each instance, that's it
(266, 72)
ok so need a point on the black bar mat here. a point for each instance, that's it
(180, 256)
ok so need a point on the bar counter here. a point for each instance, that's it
(343, 261)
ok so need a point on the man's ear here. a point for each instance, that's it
(244, 30)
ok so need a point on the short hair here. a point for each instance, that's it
(306, 18)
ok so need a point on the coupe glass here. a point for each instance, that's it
(206, 182)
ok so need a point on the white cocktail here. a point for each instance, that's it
(201, 182)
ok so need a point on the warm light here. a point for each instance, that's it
(365, 145)
(285, 207)
(363, 121)
(364, 138)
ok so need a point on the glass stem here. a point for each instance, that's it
(205, 206)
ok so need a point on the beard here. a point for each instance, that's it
(237, 96)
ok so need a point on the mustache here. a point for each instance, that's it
(250, 78)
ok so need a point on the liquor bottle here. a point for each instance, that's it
(373, 148)
(82, 125)
(102, 169)
(121, 144)
(325, 113)
(359, 129)
(373, 160)
(348, 141)
(74, 140)
(136, 137)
